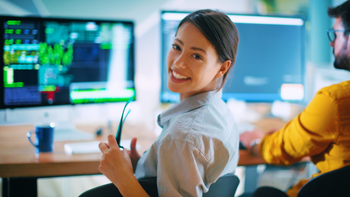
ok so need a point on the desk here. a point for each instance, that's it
(20, 166)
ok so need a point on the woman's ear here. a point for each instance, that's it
(224, 67)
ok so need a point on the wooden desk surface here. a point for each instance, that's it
(18, 157)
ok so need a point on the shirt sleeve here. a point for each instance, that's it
(308, 134)
(181, 168)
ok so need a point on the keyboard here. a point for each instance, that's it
(91, 147)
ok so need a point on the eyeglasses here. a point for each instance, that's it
(332, 35)
(121, 123)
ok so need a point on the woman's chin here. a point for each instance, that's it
(174, 89)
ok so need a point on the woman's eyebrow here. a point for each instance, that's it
(199, 49)
(179, 41)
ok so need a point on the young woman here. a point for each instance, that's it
(199, 141)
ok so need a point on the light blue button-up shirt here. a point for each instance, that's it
(198, 144)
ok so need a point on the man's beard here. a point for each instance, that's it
(342, 61)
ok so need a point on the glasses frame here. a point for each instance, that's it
(121, 123)
(331, 30)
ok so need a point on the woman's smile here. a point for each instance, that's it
(177, 77)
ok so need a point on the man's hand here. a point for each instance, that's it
(247, 137)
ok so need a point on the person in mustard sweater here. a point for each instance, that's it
(322, 130)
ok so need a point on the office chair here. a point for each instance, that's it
(334, 183)
(225, 186)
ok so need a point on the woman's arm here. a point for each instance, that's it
(117, 167)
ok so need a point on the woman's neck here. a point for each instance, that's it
(186, 95)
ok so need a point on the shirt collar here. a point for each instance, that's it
(191, 103)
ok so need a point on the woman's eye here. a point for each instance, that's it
(176, 47)
(197, 57)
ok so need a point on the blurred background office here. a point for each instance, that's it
(318, 66)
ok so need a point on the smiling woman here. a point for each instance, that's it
(201, 57)
(199, 135)
(193, 65)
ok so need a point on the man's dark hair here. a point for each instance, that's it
(342, 11)
(220, 31)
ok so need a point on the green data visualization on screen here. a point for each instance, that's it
(50, 61)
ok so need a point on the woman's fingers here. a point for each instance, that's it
(133, 150)
(112, 142)
(133, 144)
(103, 147)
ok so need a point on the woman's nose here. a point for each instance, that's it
(181, 62)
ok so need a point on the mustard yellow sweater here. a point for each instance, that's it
(321, 131)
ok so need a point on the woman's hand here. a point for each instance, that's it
(133, 154)
(117, 167)
(115, 164)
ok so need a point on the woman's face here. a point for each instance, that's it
(193, 65)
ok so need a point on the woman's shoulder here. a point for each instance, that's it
(209, 120)
(202, 128)
(204, 143)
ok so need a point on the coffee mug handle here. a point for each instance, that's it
(28, 136)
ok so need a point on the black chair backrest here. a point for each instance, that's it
(225, 186)
(149, 184)
(334, 183)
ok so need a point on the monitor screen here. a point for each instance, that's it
(270, 58)
(50, 61)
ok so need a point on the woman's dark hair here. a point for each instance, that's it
(342, 11)
(218, 28)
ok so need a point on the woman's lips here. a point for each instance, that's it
(177, 80)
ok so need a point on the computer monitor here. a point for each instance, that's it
(51, 61)
(270, 59)
(56, 62)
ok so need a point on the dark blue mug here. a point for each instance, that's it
(43, 138)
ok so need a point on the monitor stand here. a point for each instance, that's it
(66, 131)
